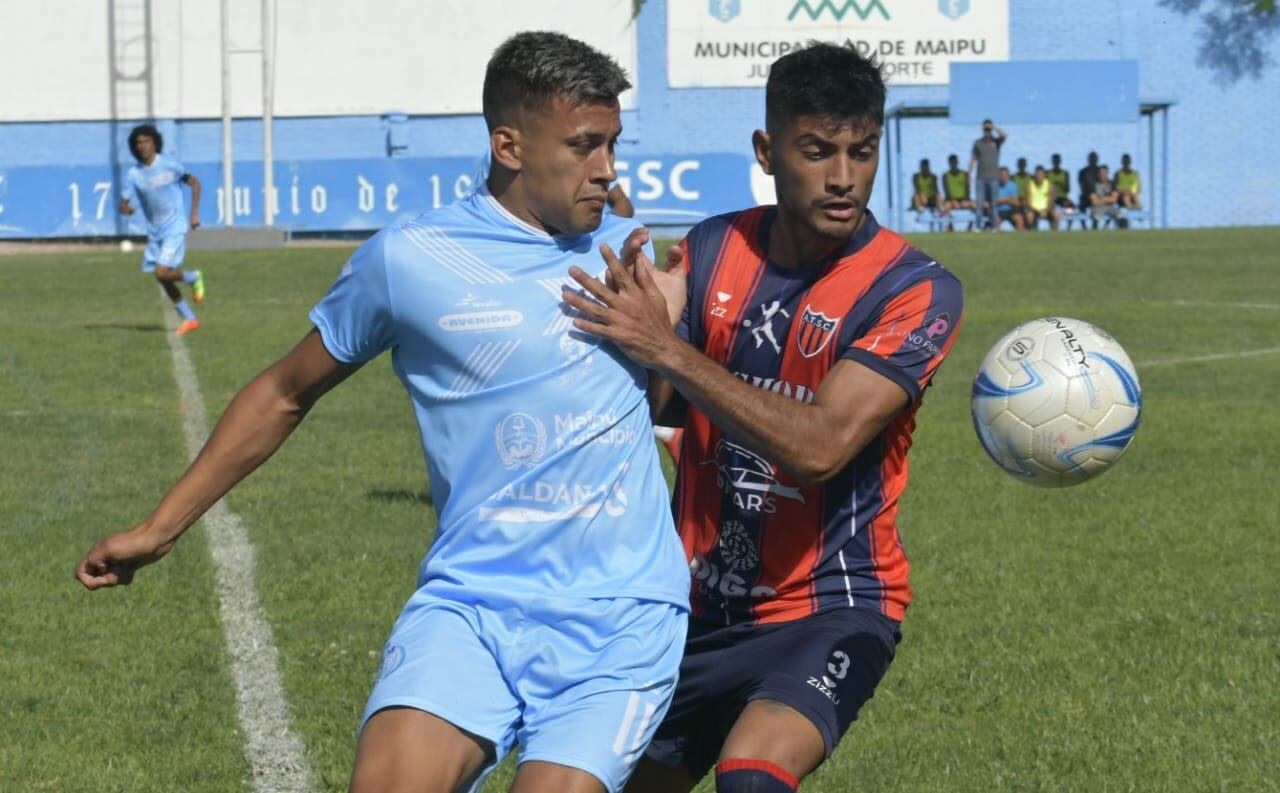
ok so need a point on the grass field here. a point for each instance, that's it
(1119, 636)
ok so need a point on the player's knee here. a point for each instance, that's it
(753, 776)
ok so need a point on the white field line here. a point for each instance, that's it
(275, 752)
(1221, 356)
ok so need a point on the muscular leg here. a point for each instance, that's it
(777, 734)
(403, 750)
(539, 777)
(654, 777)
(169, 277)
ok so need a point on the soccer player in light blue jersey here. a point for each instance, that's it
(154, 185)
(552, 607)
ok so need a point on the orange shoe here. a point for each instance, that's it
(187, 326)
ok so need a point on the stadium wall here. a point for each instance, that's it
(685, 152)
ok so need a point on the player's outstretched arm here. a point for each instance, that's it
(194, 183)
(811, 442)
(252, 428)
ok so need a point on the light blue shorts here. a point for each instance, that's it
(580, 683)
(169, 251)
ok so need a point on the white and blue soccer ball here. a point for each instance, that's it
(1056, 401)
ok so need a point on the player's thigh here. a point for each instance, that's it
(824, 669)
(600, 685)
(438, 661)
(403, 750)
(539, 777)
(653, 777)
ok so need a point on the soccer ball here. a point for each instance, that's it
(1056, 401)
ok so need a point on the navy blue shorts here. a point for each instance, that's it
(825, 666)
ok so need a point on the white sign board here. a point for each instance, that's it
(730, 43)
(332, 57)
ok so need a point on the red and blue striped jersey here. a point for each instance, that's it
(762, 547)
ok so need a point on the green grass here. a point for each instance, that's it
(1122, 635)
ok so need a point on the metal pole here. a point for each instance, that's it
(1164, 170)
(268, 99)
(228, 204)
(1151, 164)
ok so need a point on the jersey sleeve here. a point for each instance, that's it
(912, 333)
(355, 318)
(179, 170)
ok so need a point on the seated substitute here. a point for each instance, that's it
(1039, 202)
(1061, 180)
(1008, 204)
(1128, 184)
(926, 188)
(1105, 200)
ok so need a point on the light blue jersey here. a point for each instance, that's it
(156, 190)
(552, 609)
(537, 437)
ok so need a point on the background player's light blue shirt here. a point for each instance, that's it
(156, 190)
(537, 437)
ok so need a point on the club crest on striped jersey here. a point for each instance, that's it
(816, 330)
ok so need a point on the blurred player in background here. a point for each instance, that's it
(808, 340)
(154, 185)
(552, 608)
(619, 203)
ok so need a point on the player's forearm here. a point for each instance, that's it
(666, 406)
(195, 194)
(256, 423)
(788, 432)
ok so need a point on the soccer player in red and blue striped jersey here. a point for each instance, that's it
(808, 336)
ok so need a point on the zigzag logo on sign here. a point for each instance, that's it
(837, 10)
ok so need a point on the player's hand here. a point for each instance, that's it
(671, 281)
(195, 221)
(114, 559)
(629, 310)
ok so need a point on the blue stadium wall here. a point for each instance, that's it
(685, 152)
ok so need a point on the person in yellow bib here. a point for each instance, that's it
(955, 187)
(1061, 181)
(1022, 177)
(1040, 200)
(925, 183)
(1128, 184)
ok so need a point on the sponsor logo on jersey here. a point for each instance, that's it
(521, 439)
(837, 669)
(721, 583)
(481, 320)
(779, 386)
(392, 657)
(762, 329)
(749, 479)
(816, 330)
(543, 502)
(737, 548)
(577, 429)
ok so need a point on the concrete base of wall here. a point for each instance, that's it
(234, 239)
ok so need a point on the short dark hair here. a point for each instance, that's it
(151, 132)
(825, 80)
(529, 70)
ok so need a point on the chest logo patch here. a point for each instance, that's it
(816, 330)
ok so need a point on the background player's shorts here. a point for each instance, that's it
(169, 251)
(582, 683)
(825, 666)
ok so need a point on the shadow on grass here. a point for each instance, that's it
(398, 496)
(140, 327)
